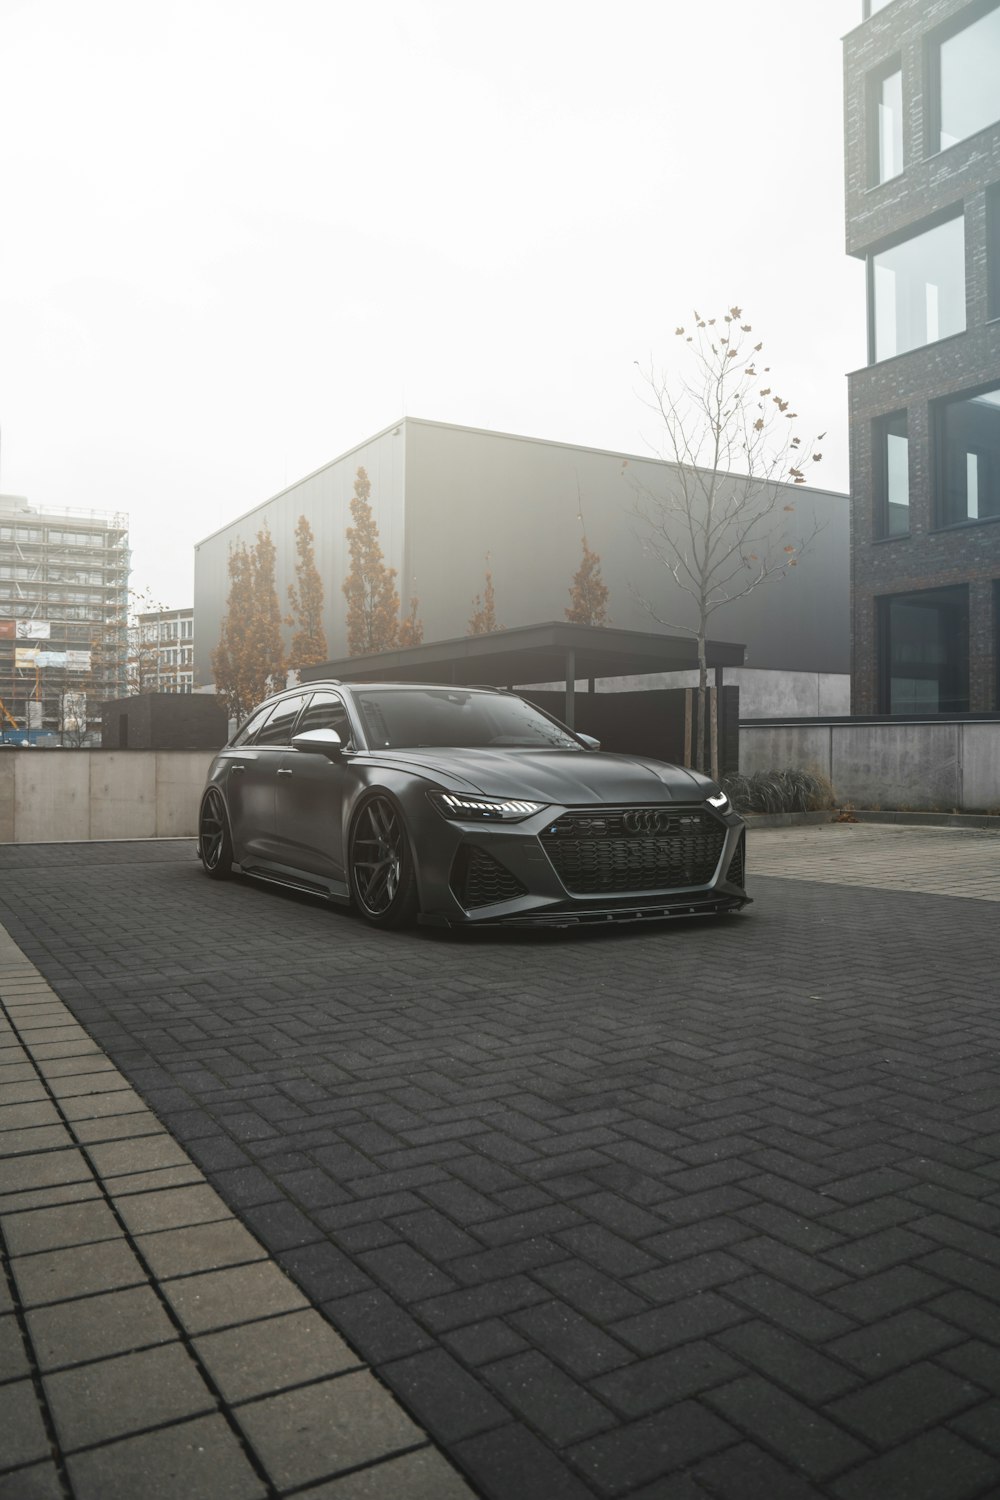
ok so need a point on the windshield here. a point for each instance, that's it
(404, 718)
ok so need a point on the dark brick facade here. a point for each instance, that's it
(164, 721)
(931, 185)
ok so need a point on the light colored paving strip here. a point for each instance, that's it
(893, 857)
(145, 1335)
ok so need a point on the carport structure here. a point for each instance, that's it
(553, 652)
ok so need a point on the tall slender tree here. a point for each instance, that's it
(411, 630)
(484, 607)
(717, 518)
(588, 593)
(249, 661)
(370, 586)
(305, 596)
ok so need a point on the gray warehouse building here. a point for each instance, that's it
(446, 496)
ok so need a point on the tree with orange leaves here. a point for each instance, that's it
(249, 661)
(484, 607)
(373, 622)
(588, 593)
(305, 596)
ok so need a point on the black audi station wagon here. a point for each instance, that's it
(453, 805)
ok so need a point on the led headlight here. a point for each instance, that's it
(484, 809)
(719, 801)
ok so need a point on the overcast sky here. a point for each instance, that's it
(237, 238)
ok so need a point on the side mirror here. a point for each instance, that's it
(589, 741)
(319, 742)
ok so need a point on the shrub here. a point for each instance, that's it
(779, 791)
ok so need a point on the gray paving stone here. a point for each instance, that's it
(156, 1180)
(13, 1359)
(24, 1437)
(57, 1228)
(255, 1359)
(422, 1475)
(98, 1106)
(39, 1482)
(49, 1197)
(172, 1208)
(194, 1460)
(220, 1299)
(199, 1247)
(116, 1127)
(31, 1139)
(30, 1091)
(55, 1275)
(319, 1430)
(143, 1155)
(112, 1397)
(99, 1326)
(46, 1169)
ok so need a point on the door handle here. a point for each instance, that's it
(283, 772)
(237, 767)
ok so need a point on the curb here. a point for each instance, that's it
(985, 821)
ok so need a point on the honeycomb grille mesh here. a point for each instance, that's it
(594, 852)
(736, 874)
(478, 879)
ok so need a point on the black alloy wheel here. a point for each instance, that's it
(382, 879)
(215, 846)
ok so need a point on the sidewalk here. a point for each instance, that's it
(152, 1346)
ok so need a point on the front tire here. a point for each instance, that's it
(215, 846)
(383, 884)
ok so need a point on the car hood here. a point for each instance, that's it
(567, 776)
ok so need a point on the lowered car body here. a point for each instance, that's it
(458, 806)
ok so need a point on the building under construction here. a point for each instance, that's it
(63, 619)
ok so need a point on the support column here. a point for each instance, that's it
(569, 717)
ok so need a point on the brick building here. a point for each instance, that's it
(922, 112)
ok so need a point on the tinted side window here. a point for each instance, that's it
(278, 729)
(327, 711)
(251, 727)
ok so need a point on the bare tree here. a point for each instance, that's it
(720, 521)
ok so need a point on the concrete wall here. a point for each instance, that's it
(764, 694)
(66, 796)
(925, 767)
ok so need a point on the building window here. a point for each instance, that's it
(885, 116)
(892, 476)
(965, 77)
(993, 251)
(924, 640)
(968, 457)
(917, 290)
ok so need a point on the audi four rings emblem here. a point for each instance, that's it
(646, 820)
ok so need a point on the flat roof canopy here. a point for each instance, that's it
(532, 654)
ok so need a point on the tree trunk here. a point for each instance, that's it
(699, 758)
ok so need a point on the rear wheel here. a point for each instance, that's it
(214, 843)
(382, 880)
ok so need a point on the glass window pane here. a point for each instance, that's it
(919, 290)
(891, 469)
(926, 652)
(969, 458)
(969, 79)
(890, 126)
(278, 729)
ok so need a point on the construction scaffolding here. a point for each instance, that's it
(63, 618)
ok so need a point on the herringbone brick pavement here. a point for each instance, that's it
(699, 1210)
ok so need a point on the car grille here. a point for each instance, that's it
(634, 848)
(478, 879)
(736, 874)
